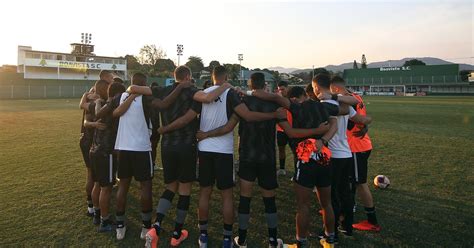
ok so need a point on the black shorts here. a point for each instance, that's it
(103, 168)
(359, 168)
(264, 172)
(179, 163)
(282, 139)
(216, 168)
(135, 164)
(312, 174)
(85, 145)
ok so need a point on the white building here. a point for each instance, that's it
(80, 64)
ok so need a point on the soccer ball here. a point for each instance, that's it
(381, 182)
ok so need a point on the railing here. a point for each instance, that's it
(42, 91)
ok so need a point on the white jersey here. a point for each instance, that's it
(339, 145)
(133, 133)
(214, 115)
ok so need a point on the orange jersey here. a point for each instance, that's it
(289, 117)
(358, 144)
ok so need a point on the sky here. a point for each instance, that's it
(296, 34)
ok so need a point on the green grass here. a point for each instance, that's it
(424, 145)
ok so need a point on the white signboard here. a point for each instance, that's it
(74, 65)
(403, 68)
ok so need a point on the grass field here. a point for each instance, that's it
(424, 145)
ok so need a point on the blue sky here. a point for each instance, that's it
(289, 34)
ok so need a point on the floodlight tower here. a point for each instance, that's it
(240, 58)
(179, 50)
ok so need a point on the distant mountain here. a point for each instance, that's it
(282, 69)
(400, 62)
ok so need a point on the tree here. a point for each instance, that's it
(363, 63)
(132, 63)
(164, 65)
(195, 64)
(354, 66)
(149, 54)
(413, 62)
(213, 64)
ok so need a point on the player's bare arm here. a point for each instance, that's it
(243, 111)
(122, 108)
(171, 98)
(94, 124)
(346, 99)
(228, 127)
(343, 109)
(300, 132)
(361, 119)
(86, 100)
(178, 123)
(204, 97)
(267, 96)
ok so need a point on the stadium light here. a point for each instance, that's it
(240, 58)
(86, 38)
(179, 50)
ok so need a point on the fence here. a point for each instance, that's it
(42, 91)
(412, 80)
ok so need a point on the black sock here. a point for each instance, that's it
(177, 230)
(96, 212)
(282, 163)
(242, 236)
(272, 219)
(120, 218)
(203, 227)
(181, 212)
(244, 215)
(89, 201)
(146, 219)
(227, 231)
(371, 217)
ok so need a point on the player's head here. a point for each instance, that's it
(321, 82)
(297, 94)
(101, 87)
(338, 85)
(118, 80)
(257, 81)
(107, 76)
(219, 74)
(182, 73)
(207, 84)
(283, 88)
(115, 88)
(154, 84)
(310, 92)
(139, 79)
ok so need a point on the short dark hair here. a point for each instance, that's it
(309, 88)
(323, 80)
(181, 72)
(337, 80)
(103, 73)
(296, 91)
(207, 84)
(257, 79)
(283, 84)
(118, 80)
(139, 79)
(219, 71)
(115, 88)
(101, 85)
(154, 84)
